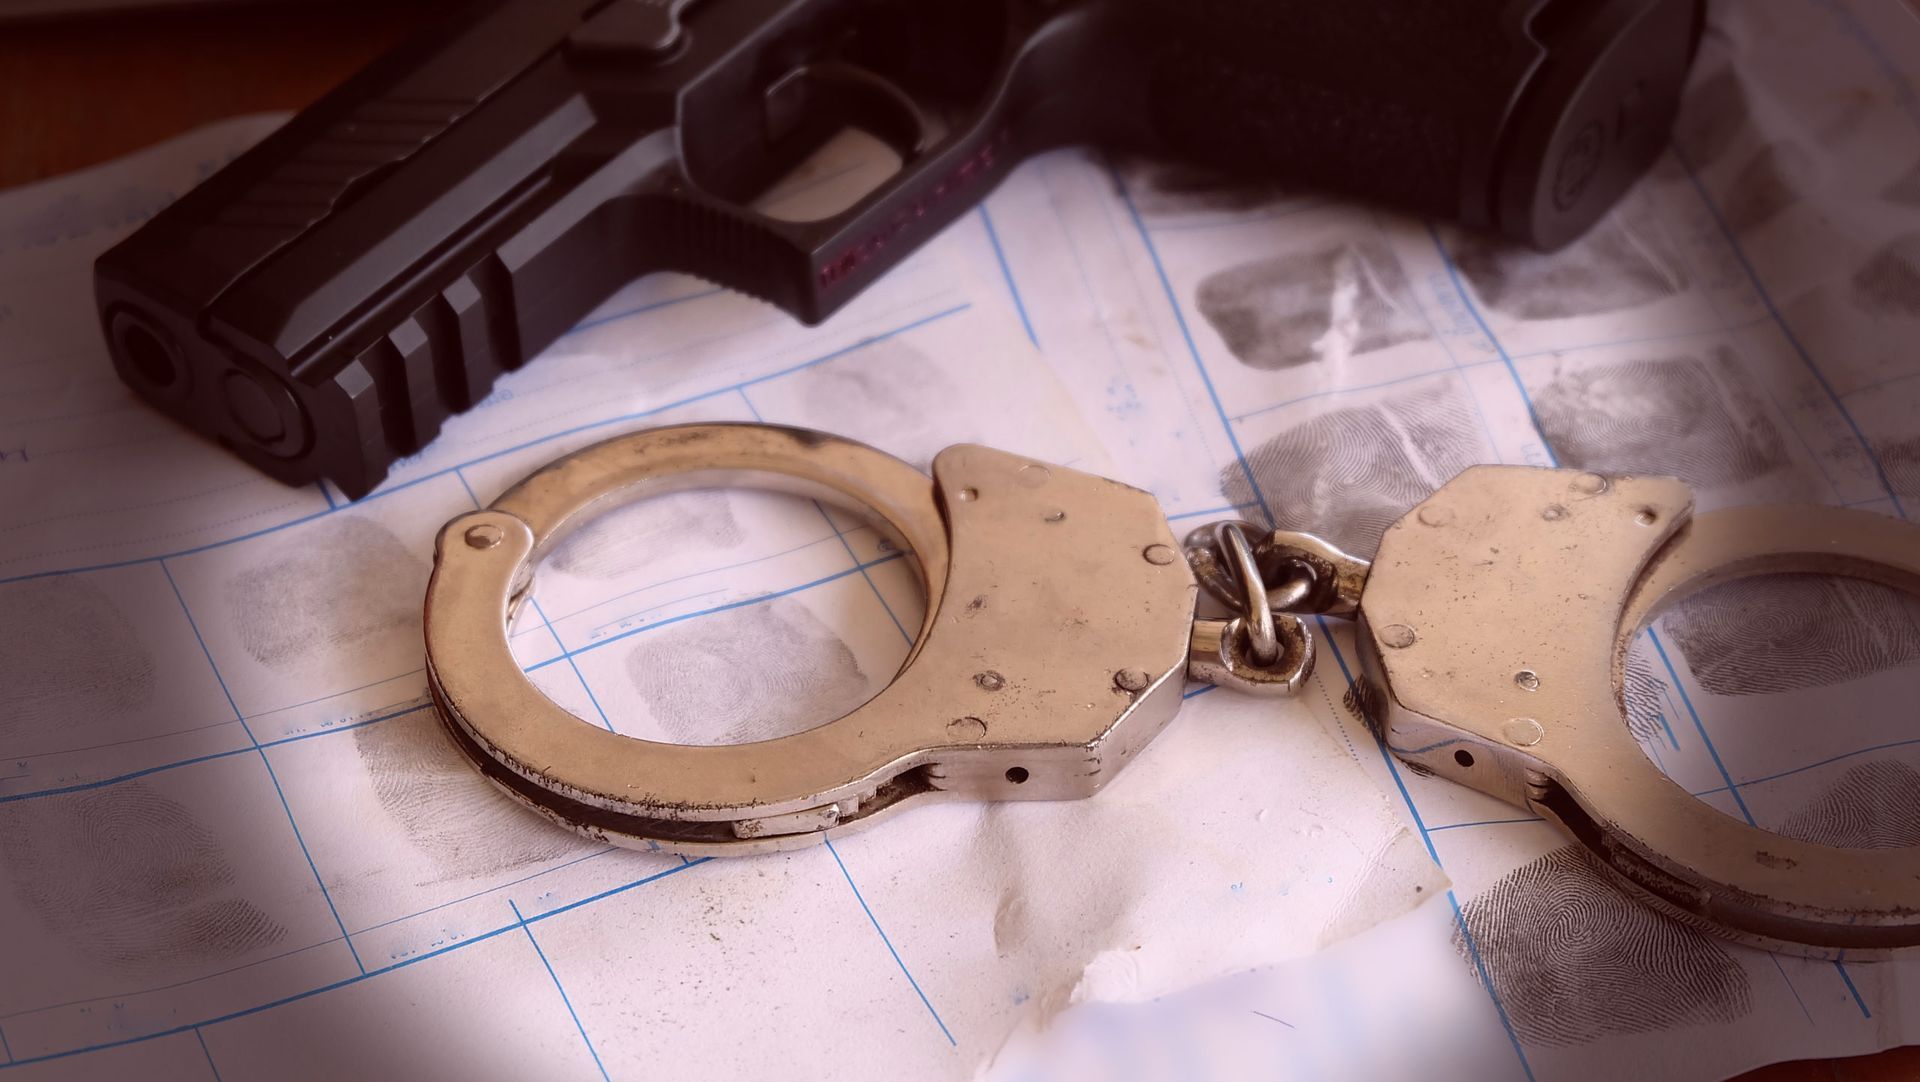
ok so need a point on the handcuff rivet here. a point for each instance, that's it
(1398, 636)
(484, 536)
(1588, 484)
(1158, 555)
(989, 680)
(1553, 512)
(1133, 680)
(1522, 732)
(1647, 516)
(1527, 679)
(1436, 515)
(1056, 516)
(967, 729)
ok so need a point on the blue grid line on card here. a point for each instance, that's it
(325, 894)
(1790, 986)
(1513, 371)
(1840, 967)
(1486, 823)
(1352, 388)
(639, 310)
(1486, 980)
(1006, 272)
(171, 985)
(101, 783)
(326, 494)
(1646, 340)
(131, 775)
(1763, 779)
(844, 543)
(1882, 385)
(211, 1066)
(897, 960)
(1786, 331)
(1193, 348)
(1227, 423)
(1228, 509)
(345, 982)
(625, 418)
(483, 892)
(565, 1000)
(4, 1046)
(1446, 347)
(1700, 726)
(728, 607)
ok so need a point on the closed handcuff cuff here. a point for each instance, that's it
(1061, 632)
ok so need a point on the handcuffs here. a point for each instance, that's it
(1061, 632)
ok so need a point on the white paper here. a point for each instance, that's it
(1746, 319)
(234, 837)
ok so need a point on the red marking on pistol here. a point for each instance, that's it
(971, 170)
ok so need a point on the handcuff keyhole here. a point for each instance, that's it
(1017, 774)
(1463, 757)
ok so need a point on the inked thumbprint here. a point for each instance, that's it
(751, 673)
(1575, 960)
(1644, 699)
(447, 810)
(69, 658)
(1682, 416)
(1624, 261)
(1713, 114)
(1870, 806)
(1769, 183)
(634, 537)
(1888, 283)
(1349, 474)
(1347, 298)
(1775, 633)
(130, 880)
(345, 590)
(1905, 189)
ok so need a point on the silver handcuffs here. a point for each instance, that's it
(1061, 632)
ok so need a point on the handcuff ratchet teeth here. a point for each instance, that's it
(1061, 632)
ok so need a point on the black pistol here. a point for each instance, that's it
(325, 302)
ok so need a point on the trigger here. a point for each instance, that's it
(852, 94)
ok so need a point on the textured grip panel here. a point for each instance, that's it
(1387, 101)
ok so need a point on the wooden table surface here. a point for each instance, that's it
(76, 93)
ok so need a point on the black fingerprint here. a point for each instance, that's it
(1712, 114)
(1575, 959)
(1349, 474)
(130, 880)
(1694, 419)
(1774, 633)
(69, 658)
(1905, 190)
(748, 674)
(347, 587)
(1161, 188)
(634, 537)
(1623, 262)
(1901, 461)
(1644, 699)
(1272, 313)
(1769, 183)
(463, 824)
(1888, 283)
(891, 401)
(1871, 806)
